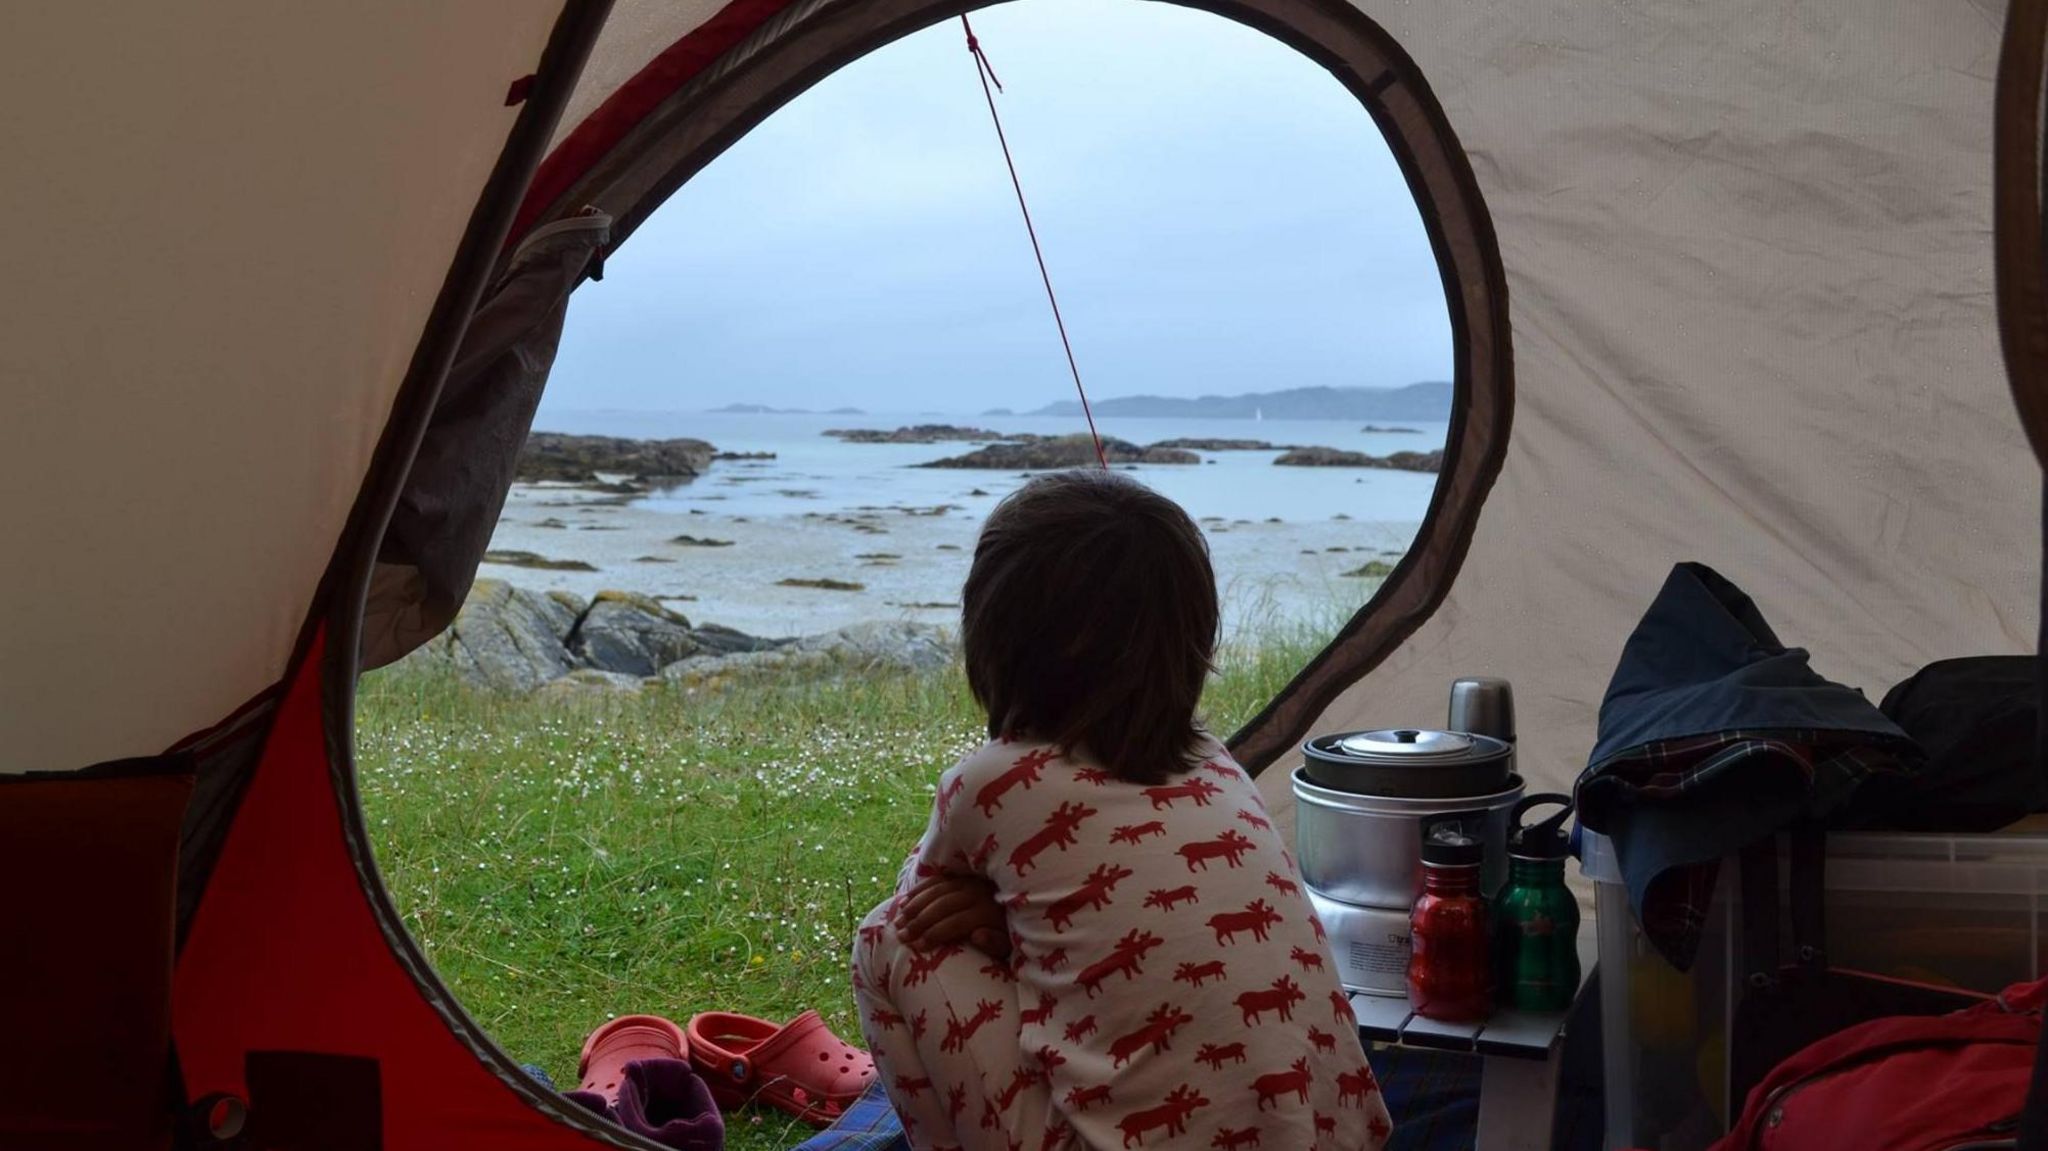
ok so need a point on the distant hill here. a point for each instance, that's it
(765, 410)
(1424, 401)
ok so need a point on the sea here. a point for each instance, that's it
(1288, 543)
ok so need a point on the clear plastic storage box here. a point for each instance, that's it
(1958, 910)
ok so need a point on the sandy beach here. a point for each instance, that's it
(908, 559)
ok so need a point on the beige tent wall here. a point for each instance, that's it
(1749, 259)
(634, 33)
(224, 238)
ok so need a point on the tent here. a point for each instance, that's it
(1736, 277)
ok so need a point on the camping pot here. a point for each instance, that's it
(1361, 797)
(1409, 763)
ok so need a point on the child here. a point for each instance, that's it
(1101, 942)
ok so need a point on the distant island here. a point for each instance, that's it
(765, 410)
(1423, 401)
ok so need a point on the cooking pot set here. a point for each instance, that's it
(1361, 799)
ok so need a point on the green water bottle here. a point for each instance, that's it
(1536, 919)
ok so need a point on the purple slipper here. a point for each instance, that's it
(663, 1100)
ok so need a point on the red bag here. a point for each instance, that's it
(1908, 1083)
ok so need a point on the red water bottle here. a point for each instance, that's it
(1450, 961)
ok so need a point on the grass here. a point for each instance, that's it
(564, 861)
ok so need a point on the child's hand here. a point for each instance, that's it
(949, 909)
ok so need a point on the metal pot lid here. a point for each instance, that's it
(1407, 745)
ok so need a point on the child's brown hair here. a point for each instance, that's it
(1089, 620)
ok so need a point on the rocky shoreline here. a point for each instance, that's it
(521, 641)
(1062, 452)
(616, 466)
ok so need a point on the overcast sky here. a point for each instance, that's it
(1219, 215)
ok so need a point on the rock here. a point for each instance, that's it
(1200, 444)
(1372, 569)
(631, 633)
(652, 560)
(552, 456)
(916, 434)
(1062, 452)
(822, 584)
(1339, 458)
(587, 682)
(699, 669)
(535, 560)
(717, 639)
(1391, 431)
(689, 541)
(900, 644)
(505, 638)
(743, 455)
(885, 643)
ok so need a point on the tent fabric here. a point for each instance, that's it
(463, 470)
(1749, 271)
(293, 951)
(228, 231)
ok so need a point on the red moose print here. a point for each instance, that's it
(1325, 1125)
(1229, 847)
(1340, 1006)
(1125, 959)
(1197, 789)
(1258, 917)
(924, 963)
(1135, 833)
(1181, 1102)
(1272, 1087)
(1094, 775)
(978, 862)
(1049, 1057)
(1254, 819)
(1058, 832)
(1021, 1078)
(1309, 960)
(1159, 1027)
(1218, 770)
(913, 1087)
(1321, 1040)
(1280, 998)
(1023, 773)
(1230, 1139)
(1093, 893)
(1166, 900)
(959, 1031)
(1040, 1014)
(1281, 884)
(1080, 1099)
(1216, 1056)
(1355, 1085)
(1080, 1029)
(1196, 974)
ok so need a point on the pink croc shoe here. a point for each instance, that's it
(627, 1039)
(800, 1067)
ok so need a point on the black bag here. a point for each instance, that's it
(1976, 719)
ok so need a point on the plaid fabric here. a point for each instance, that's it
(1830, 765)
(869, 1125)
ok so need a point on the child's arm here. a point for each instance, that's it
(946, 900)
